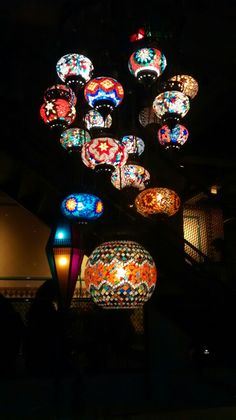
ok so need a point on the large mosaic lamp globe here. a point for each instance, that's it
(104, 153)
(154, 201)
(75, 70)
(60, 91)
(58, 113)
(82, 207)
(73, 139)
(120, 275)
(171, 105)
(147, 64)
(104, 94)
(130, 176)
(172, 137)
(65, 253)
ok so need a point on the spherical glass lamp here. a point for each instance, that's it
(93, 119)
(130, 176)
(190, 85)
(134, 145)
(172, 137)
(157, 201)
(58, 113)
(147, 64)
(82, 207)
(104, 94)
(120, 274)
(60, 91)
(73, 139)
(75, 70)
(147, 116)
(104, 153)
(172, 105)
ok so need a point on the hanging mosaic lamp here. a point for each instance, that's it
(172, 105)
(147, 116)
(58, 113)
(147, 64)
(65, 253)
(82, 207)
(157, 201)
(104, 94)
(120, 274)
(60, 91)
(104, 153)
(73, 139)
(190, 85)
(134, 145)
(130, 176)
(75, 70)
(172, 137)
(93, 120)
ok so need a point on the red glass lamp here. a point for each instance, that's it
(58, 113)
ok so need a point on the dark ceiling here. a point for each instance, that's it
(198, 38)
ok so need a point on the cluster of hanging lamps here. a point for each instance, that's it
(120, 274)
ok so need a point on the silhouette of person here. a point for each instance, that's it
(42, 331)
(12, 333)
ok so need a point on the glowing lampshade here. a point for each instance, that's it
(75, 70)
(147, 64)
(65, 254)
(58, 113)
(130, 176)
(73, 139)
(172, 136)
(93, 119)
(104, 94)
(60, 92)
(82, 207)
(171, 104)
(120, 274)
(147, 116)
(134, 145)
(157, 201)
(190, 85)
(104, 151)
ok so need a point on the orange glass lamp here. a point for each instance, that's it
(120, 275)
(157, 201)
(65, 254)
